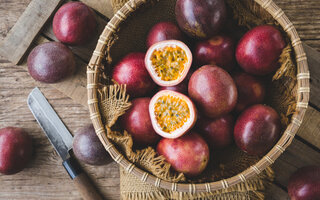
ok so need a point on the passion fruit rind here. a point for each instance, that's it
(172, 113)
(168, 62)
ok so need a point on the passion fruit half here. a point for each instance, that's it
(172, 113)
(168, 62)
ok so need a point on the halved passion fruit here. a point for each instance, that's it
(168, 62)
(172, 113)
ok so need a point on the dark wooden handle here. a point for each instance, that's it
(86, 188)
(81, 180)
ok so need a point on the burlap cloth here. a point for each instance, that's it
(114, 102)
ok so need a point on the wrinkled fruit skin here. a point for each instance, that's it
(163, 31)
(188, 154)
(200, 19)
(250, 91)
(218, 50)
(259, 49)
(214, 91)
(304, 184)
(257, 129)
(88, 148)
(74, 23)
(131, 71)
(217, 132)
(15, 150)
(138, 123)
(51, 62)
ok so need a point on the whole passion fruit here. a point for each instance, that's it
(172, 113)
(51, 62)
(218, 50)
(304, 184)
(188, 154)
(163, 31)
(200, 19)
(168, 62)
(15, 150)
(257, 129)
(214, 91)
(250, 91)
(137, 122)
(74, 23)
(217, 132)
(132, 72)
(259, 49)
(88, 148)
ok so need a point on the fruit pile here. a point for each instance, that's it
(197, 89)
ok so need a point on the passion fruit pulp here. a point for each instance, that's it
(172, 113)
(168, 62)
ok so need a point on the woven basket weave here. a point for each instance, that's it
(95, 71)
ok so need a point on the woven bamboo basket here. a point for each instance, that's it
(96, 71)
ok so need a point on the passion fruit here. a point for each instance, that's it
(218, 50)
(131, 71)
(250, 90)
(163, 31)
(168, 62)
(188, 154)
(214, 91)
(259, 49)
(257, 129)
(172, 113)
(217, 132)
(137, 122)
(304, 184)
(201, 19)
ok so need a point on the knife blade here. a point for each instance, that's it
(61, 139)
(59, 136)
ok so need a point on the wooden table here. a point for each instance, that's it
(45, 178)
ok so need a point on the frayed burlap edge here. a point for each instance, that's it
(252, 189)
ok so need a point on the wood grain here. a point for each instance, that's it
(45, 178)
(25, 30)
(102, 6)
(296, 156)
(305, 15)
(274, 192)
(314, 63)
(310, 128)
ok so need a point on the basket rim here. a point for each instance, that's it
(303, 93)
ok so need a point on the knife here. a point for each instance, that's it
(61, 140)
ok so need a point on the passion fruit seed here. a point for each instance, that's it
(169, 62)
(171, 113)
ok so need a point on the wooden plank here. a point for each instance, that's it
(310, 128)
(314, 63)
(274, 192)
(305, 16)
(296, 156)
(25, 30)
(104, 7)
(44, 177)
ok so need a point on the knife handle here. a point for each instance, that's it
(81, 180)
